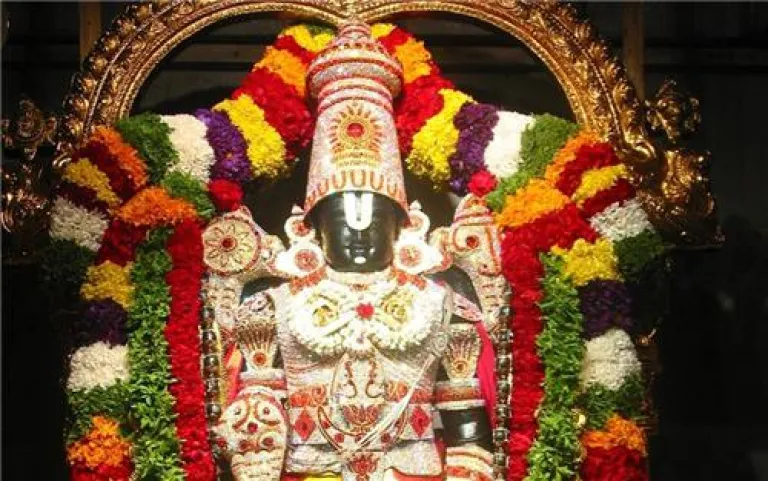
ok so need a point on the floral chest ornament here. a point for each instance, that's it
(336, 317)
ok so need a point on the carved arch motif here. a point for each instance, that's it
(672, 183)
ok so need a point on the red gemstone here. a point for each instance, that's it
(338, 437)
(228, 243)
(304, 425)
(385, 438)
(253, 427)
(419, 421)
(355, 130)
(365, 311)
(260, 358)
(472, 242)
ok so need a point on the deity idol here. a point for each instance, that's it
(361, 366)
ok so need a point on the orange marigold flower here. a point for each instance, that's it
(531, 202)
(287, 66)
(103, 445)
(567, 153)
(128, 158)
(416, 60)
(618, 432)
(154, 207)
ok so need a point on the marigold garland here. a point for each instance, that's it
(529, 203)
(128, 158)
(287, 66)
(618, 432)
(102, 445)
(83, 173)
(587, 261)
(414, 58)
(538, 145)
(108, 281)
(84, 405)
(154, 206)
(596, 180)
(567, 154)
(266, 149)
(436, 141)
(312, 38)
(256, 134)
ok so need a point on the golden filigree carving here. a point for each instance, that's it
(673, 112)
(597, 88)
(25, 193)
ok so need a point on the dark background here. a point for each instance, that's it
(712, 394)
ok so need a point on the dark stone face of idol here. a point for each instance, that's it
(350, 249)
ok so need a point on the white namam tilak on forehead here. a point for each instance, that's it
(355, 147)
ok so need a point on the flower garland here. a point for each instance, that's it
(185, 248)
(555, 453)
(126, 229)
(102, 454)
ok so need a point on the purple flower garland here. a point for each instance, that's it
(475, 123)
(605, 304)
(228, 147)
(102, 320)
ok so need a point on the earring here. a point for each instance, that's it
(412, 254)
(304, 255)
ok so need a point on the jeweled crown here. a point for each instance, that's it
(354, 81)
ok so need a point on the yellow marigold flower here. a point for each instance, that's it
(108, 281)
(305, 39)
(153, 207)
(618, 432)
(128, 158)
(103, 445)
(531, 202)
(595, 180)
(266, 148)
(436, 141)
(567, 153)
(585, 261)
(287, 66)
(85, 174)
(380, 30)
(414, 59)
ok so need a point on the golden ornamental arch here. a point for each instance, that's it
(671, 179)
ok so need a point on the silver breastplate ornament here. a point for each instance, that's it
(360, 355)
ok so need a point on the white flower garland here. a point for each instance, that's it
(188, 138)
(502, 156)
(83, 227)
(98, 365)
(609, 359)
(621, 220)
(351, 333)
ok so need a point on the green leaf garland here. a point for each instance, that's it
(555, 453)
(98, 401)
(600, 403)
(150, 136)
(634, 253)
(155, 445)
(539, 143)
(184, 186)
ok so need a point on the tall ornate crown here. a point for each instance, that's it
(355, 143)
